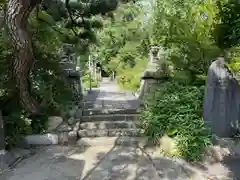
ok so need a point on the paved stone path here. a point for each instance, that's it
(109, 96)
(107, 162)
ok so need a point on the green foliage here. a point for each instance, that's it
(17, 125)
(129, 78)
(184, 29)
(175, 109)
(77, 19)
(226, 31)
(227, 34)
(86, 81)
(52, 24)
(234, 65)
(13, 134)
(123, 45)
(48, 84)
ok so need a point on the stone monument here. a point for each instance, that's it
(221, 100)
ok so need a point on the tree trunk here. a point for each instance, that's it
(17, 15)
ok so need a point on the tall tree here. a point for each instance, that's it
(17, 21)
(17, 16)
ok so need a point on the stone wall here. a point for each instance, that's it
(222, 100)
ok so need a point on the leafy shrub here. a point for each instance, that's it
(17, 124)
(16, 128)
(226, 31)
(175, 110)
(86, 82)
(184, 29)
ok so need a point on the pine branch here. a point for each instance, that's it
(70, 16)
(49, 24)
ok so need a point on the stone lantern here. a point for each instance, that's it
(155, 72)
(70, 70)
(156, 63)
(154, 54)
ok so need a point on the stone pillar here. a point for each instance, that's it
(2, 140)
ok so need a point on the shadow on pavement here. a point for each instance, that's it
(51, 163)
(233, 165)
(106, 163)
(131, 163)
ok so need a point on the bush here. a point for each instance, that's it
(17, 125)
(86, 83)
(185, 31)
(176, 110)
(129, 80)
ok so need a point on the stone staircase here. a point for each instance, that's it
(105, 126)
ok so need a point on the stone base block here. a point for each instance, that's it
(42, 139)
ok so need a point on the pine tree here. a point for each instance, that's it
(76, 16)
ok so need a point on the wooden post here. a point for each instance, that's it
(2, 139)
(90, 72)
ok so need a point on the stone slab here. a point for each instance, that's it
(41, 139)
(110, 124)
(111, 117)
(110, 132)
(107, 141)
(101, 111)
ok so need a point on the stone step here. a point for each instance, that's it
(101, 111)
(110, 132)
(119, 141)
(111, 117)
(110, 124)
(110, 104)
